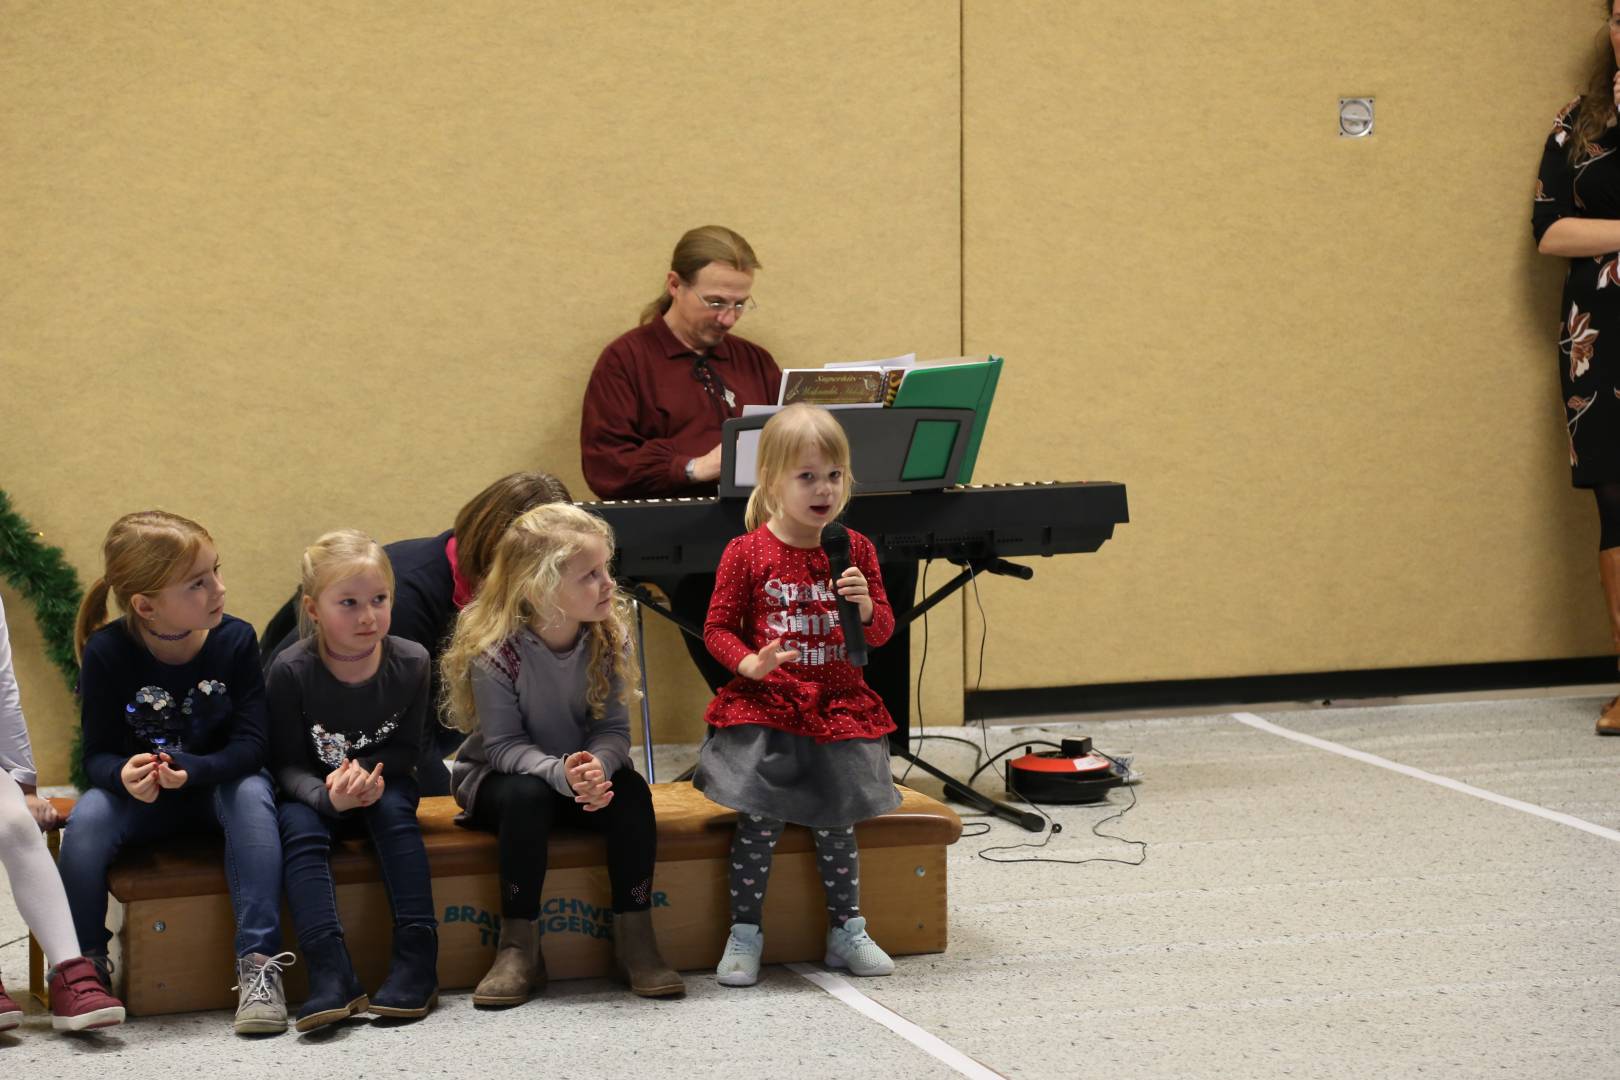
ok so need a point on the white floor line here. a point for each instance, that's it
(927, 1042)
(1433, 778)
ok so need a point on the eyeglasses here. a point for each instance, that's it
(738, 308)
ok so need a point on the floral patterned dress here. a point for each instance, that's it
(1589, 318)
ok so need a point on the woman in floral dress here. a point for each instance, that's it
(1577, 216)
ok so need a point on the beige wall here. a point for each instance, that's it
(1325, 368)
(285, 268)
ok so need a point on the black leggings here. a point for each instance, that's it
(521, 811)
(1608, 504)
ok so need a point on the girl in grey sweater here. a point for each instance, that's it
(541, 673)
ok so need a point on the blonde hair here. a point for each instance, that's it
(481, 523)
(698, 248)
(786, 436)
(337, 556)
(144, 552)
(521, 588)
(1596, 106)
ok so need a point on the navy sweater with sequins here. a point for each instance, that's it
(208, 713)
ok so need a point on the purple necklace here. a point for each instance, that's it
(170, 637)
(335, 655)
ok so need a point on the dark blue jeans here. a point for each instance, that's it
(243, 810)
(306, 842)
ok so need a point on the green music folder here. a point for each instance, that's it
(953, 386)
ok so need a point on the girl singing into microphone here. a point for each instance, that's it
(798, 734)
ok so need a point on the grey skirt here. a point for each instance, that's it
(762, 770)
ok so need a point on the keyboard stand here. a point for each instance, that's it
(955, 788)
(643, 597)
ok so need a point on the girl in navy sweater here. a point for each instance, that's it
(172, 708)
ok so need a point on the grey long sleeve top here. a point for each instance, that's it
(16, 754)
(532, 715)
(317, 721)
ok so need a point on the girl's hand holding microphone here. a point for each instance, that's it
(592, 789)
(852, 587)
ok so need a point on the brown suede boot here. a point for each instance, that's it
(635, 954)
(519, 968)
(1609, 570)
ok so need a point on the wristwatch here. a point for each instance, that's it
(691, 470)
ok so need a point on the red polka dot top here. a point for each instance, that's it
(767, 589)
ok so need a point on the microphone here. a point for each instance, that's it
(835, 542)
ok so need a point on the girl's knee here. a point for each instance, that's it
(244, 792)
(95, 829)
(528, 792)
(631, 787)
(399, 800)
(247, 804)
(393, 816)
(17, 827)
(295, 821)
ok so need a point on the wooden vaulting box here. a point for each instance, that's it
(174, 946)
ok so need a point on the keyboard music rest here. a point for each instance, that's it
(663, 537)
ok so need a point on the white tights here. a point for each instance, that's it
(34, 880)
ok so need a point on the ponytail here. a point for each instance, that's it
(657, 308)
(761, 508)
(92, 615)
(144, 552)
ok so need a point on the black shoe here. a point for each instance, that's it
(335, 992)
(412, 986)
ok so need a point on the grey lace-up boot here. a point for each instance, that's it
(261, 1003)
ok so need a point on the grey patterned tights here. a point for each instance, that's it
(838, 864)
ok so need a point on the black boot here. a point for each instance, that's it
(412, 986)
(334, 990)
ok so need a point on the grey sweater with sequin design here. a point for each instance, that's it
(532, 715)
(316, 721)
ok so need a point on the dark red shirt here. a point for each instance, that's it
(646, 414)
(766, 589)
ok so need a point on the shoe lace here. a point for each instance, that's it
(856, 941)
(258, 988)
(737, 948)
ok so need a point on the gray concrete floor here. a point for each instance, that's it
(1299, 914)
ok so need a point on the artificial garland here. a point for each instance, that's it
(49, 582)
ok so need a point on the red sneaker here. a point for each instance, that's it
(11, 1013)
(79, 1001)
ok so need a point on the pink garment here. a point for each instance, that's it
(462, 594)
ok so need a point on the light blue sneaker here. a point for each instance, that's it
(850, 946)
(739, 965)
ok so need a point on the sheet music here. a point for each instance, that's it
(908, 360)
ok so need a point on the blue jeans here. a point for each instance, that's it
(242, 810)
(306, 841)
